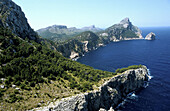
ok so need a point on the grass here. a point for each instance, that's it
(48, 92)
(44, 93)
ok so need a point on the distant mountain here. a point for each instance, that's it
(87, 41)
(91, 28)
(61, 32)
(122, 31)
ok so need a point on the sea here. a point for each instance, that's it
(154, 54)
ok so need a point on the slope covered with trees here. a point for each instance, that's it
(28, 64)
(31, 73)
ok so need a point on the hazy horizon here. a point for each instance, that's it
(102, 14)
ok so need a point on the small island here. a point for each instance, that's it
(150, 36)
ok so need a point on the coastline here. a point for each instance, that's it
(108, 96)
(103, 45)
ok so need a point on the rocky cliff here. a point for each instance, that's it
(87, 41)
(109, 95)
(12, 17)
(81, 44)
(150, 36)
(122, 31)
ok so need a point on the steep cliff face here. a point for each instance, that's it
(12, 17)
(122, 31)
(109, 95)
(82, 43)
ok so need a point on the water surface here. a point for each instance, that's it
(154, 54)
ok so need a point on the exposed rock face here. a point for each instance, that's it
(74, 55)
(107, 97)
(123, 31)
(12, 17)
(85, 48)
(83, 43)
(87, 41)
(150, 36)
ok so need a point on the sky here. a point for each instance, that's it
(101, 13)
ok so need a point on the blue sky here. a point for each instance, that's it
(101, 13)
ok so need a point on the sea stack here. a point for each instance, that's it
(150, 36)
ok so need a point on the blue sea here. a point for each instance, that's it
(154, 54)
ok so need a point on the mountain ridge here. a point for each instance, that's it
(62, 32)
(77, 46)
(13, 18)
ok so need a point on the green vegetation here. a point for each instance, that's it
(33, 67)
(29, 62)
(33, 72)
(129, 34)
(129, 67)
(76, 43)
(57, 37)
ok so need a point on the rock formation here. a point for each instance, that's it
(12, 17)
(150, 36)
(87, 41)
(81, 44)
(122, 31)
(109, 95)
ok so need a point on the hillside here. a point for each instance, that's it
(60, 33)
(87, 41)
(31, 74)
(28, 68)
(79, 45)
(121, 31)
(12, 17)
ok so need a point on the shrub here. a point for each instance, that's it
(22, 86)
(130, 67)
(32, 83)
(37, 87)
(16, 91)
(17, 83)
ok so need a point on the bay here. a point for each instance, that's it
(154, 54)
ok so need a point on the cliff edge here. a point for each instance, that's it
(13, 18)
(109, 95)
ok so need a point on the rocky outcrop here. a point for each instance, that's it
(81, 44)
(150, 36)
(122, 31)
(12, 17)
(74, 55)
(109, 95)
(85, 48)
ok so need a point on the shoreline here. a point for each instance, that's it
(78, 57)
(111, 89)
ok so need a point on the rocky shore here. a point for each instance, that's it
(109, 95)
